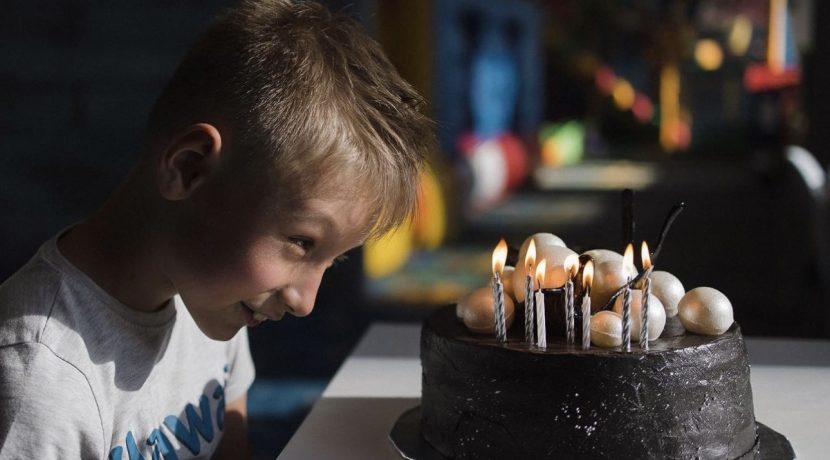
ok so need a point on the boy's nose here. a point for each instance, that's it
(300, 297)
(298, 303)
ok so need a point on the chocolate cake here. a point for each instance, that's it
(689, 396)
(678, 389)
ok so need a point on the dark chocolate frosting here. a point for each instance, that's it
(687, 397)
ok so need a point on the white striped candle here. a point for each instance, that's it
(541, 327)
(647, 268)
(628, 261)
(499, 258)
(530, 261)
(587, 280)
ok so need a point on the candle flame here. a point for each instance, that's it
(499, 256)
(530, 258)
(645, 256)
(540, 272)
(588, 274)
(628, 257)
(572, 265)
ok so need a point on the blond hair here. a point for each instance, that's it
(311, 99)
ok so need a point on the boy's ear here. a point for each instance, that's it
(191, 158)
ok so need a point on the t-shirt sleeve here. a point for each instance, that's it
(240, 366)
(36, 421)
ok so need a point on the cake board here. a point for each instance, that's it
(407, 439)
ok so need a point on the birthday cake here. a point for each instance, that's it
(688, 397)
(677, 395)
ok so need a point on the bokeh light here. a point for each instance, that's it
(623, 94)
(643, 109)
(740, 35)
(708, 54)
(605, 78)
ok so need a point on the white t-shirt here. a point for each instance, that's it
(84, 376)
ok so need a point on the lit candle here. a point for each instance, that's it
(571, 267)
(587, 279)
(530, 261)
(541, 329)
(647, 267)
(628, 259)
(499, 257)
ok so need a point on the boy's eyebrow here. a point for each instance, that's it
(326, 220)
(323, 219)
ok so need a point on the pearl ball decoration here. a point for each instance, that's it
(477, 312)
(609, 276)
(555, 275)
(603, 255)
(656, 315)
(606, 329)
(541, 239)
(705, 311)
(668, 289)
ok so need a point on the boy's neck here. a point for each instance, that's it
(115, 249)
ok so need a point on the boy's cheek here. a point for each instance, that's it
(234, 274)
(255, 282)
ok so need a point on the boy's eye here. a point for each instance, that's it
(303, 243)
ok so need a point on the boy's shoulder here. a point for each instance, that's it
(27, 300)
(51, 302)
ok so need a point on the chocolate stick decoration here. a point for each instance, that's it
(628, 217)
(670, 218)
(512, 256)
(673, 213)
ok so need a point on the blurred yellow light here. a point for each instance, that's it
(669, 106)
(389, 253)
(740, 35)
(623, 94)
(708, 54)
(551, 155)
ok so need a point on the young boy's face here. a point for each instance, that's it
(241, 260)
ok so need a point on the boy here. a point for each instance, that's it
(284, 139)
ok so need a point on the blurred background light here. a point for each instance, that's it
(740, 35)
(708, 54)
(623, 94)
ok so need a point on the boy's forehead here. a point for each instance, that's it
(339, 199)
(341, 214)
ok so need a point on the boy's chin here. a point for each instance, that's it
(219, 331)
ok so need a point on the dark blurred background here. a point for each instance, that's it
(545, 111)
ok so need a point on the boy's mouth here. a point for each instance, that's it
(260, 317)
(253, 317)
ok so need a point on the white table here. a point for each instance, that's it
(382, 378)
